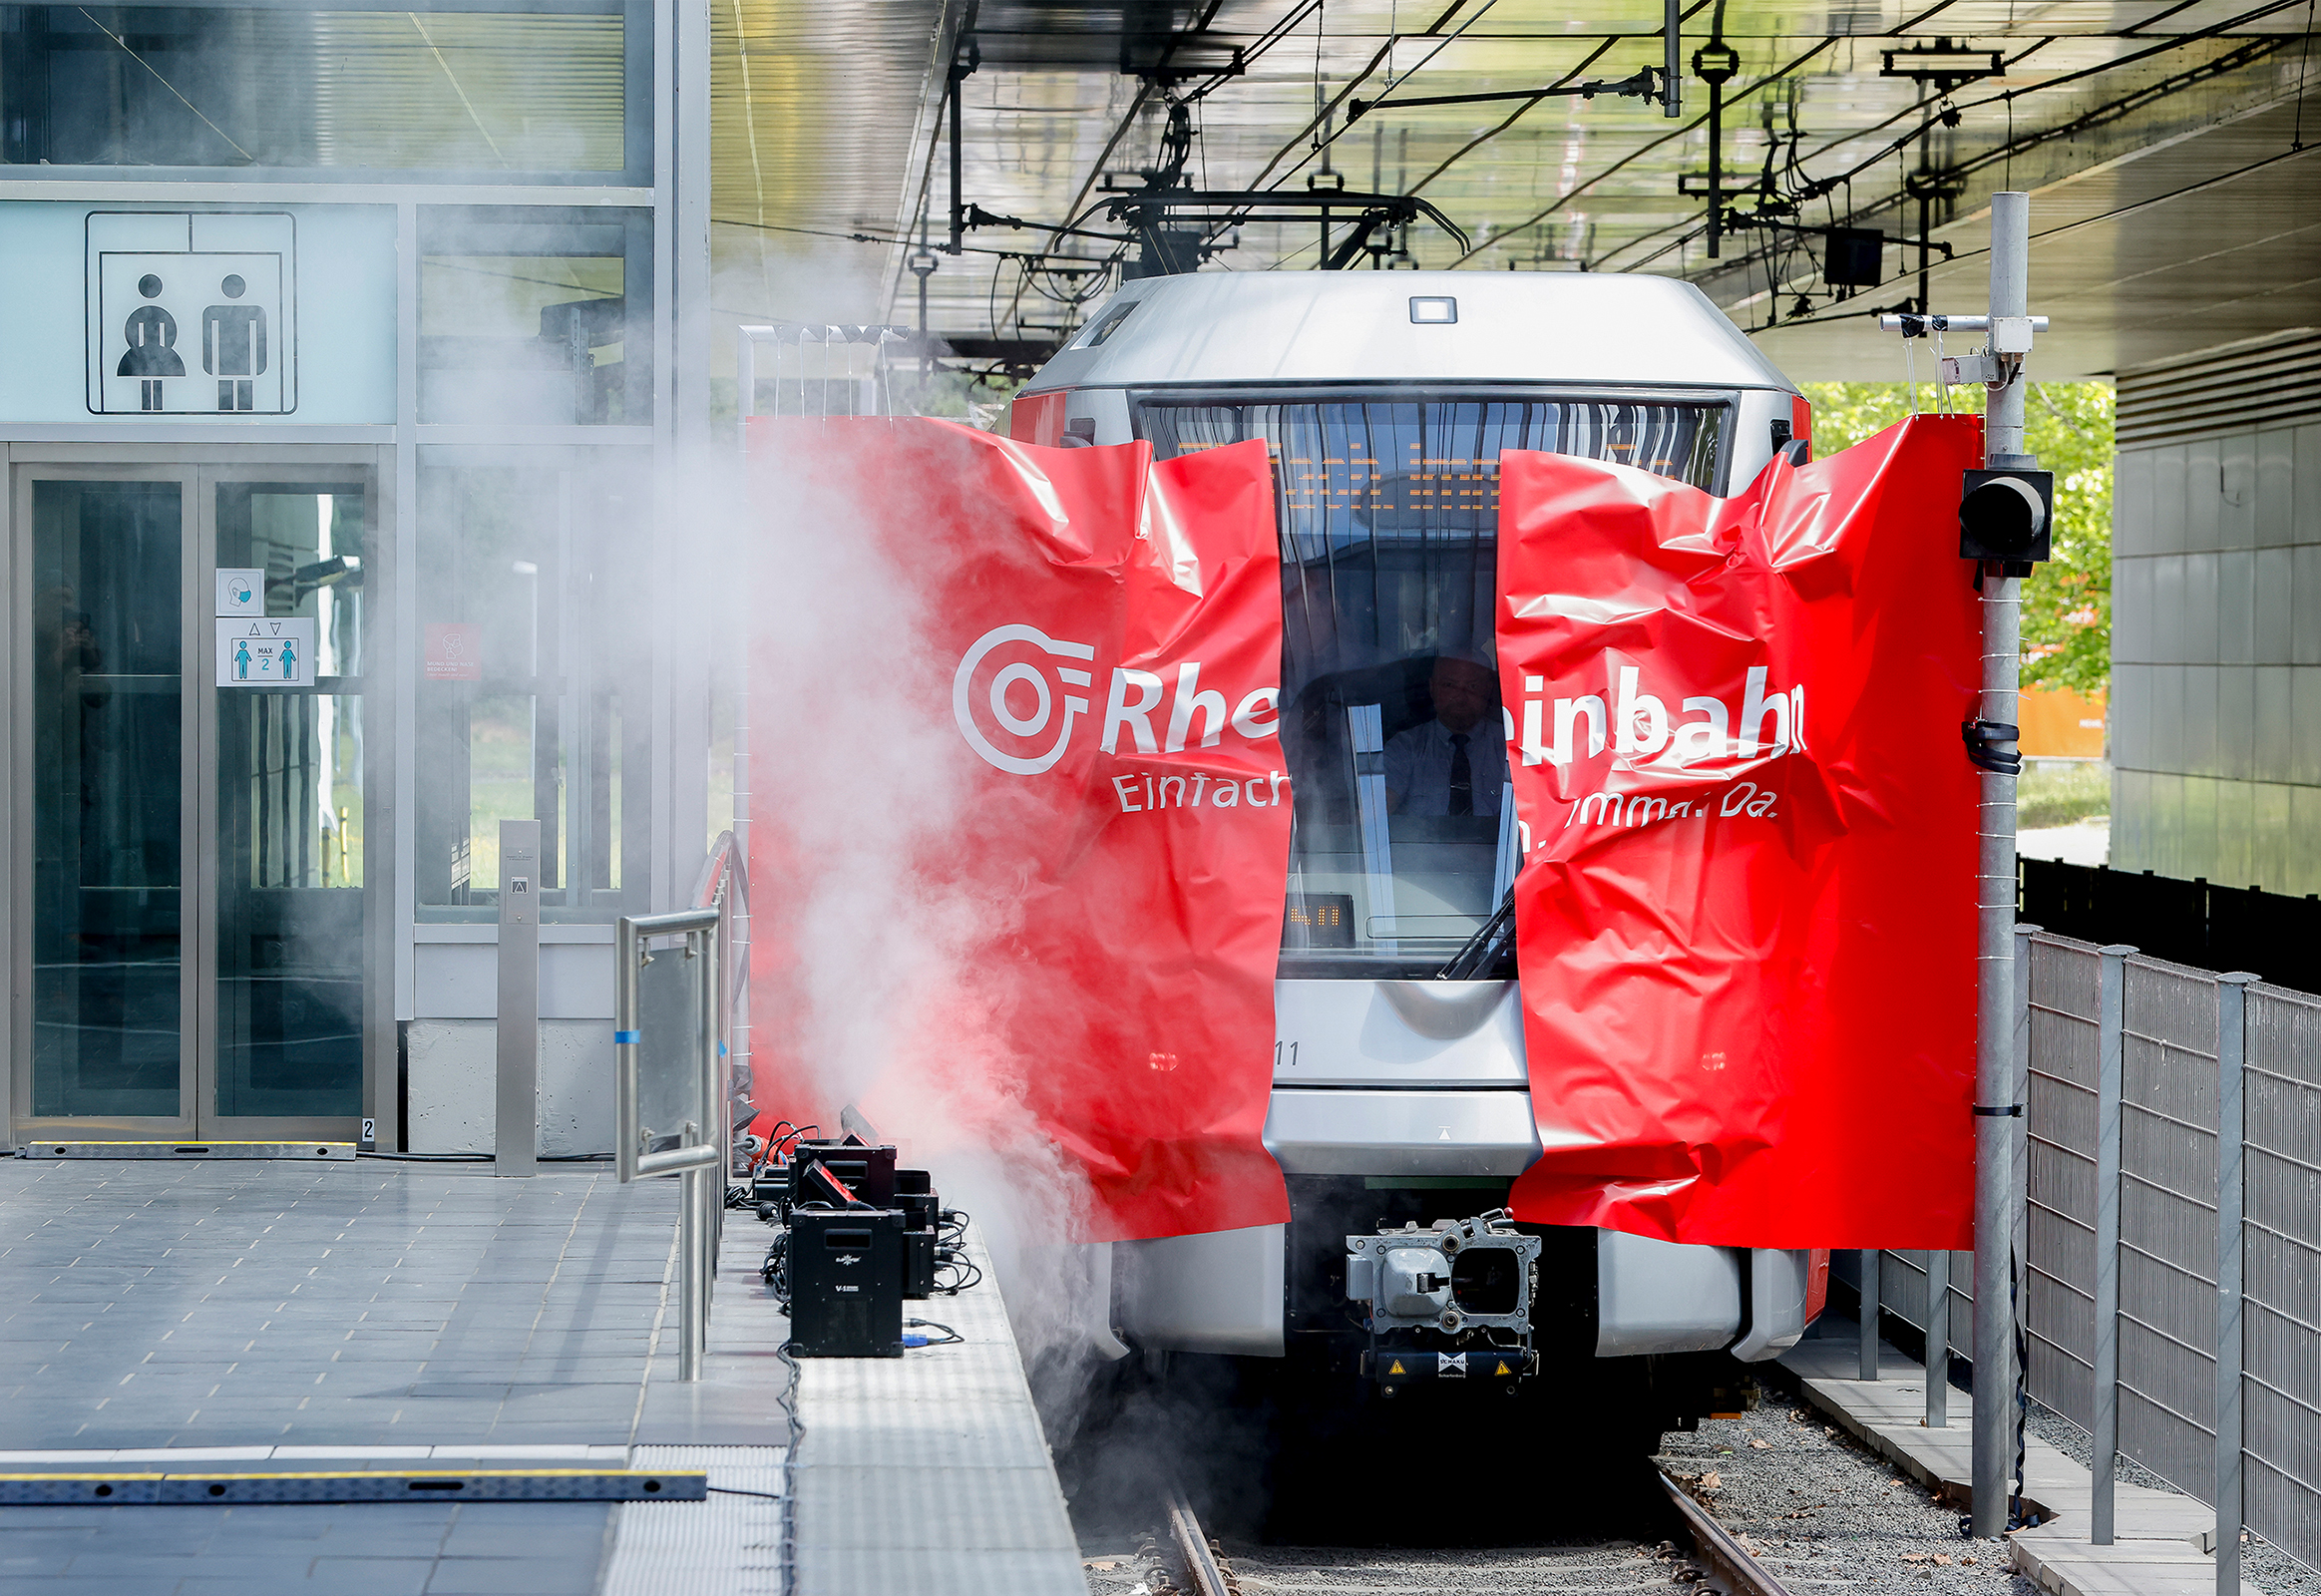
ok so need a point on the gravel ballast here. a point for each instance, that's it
(1824, 1512)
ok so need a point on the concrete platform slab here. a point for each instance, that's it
(2156, 1534)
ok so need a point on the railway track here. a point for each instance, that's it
(1185, 1559)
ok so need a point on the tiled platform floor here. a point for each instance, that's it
(267, 1303)
(363, 1305)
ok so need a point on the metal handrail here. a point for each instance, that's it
(702, 1148)
(723, 884)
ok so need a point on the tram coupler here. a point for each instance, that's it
(1447, 1301)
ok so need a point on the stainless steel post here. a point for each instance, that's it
(717, 1105)
(628, 1039)
(1938, 1339)
(2231, 1143)
(516, 1122)
(1869, 1313)
(689, 1272)
(2109, 1044)
(1995, 916)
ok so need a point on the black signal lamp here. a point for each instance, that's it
(2006, 517)
(1854, 258)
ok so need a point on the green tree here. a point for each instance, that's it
(2067, 604)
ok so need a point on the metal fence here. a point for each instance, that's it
(2128, 1064)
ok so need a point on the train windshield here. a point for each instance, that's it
(1405, 840)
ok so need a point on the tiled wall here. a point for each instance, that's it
(2216, 659)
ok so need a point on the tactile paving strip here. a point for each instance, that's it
(185, 1150)
(360, 1485)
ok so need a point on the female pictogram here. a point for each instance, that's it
(152, 356)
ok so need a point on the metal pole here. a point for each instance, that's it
(1995, 1103)
(2231, 1143)
(720, 1102)
(1938, 1339)
(958, 210)
(1869, 1313)
(745, 356)
(1673, 58)
(626, 1039)
(689, 1272)
(1715, 168)
(515, 1119)
(2104, 1431)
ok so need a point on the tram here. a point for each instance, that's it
(1401, 1098)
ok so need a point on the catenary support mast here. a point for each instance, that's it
(1993, 1346)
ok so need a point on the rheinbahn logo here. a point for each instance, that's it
(1022, 717)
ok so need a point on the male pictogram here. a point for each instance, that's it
(234, 347)
(151, 333)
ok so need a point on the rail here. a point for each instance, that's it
(673, 1077)
(1730, 1562)
(1206, 1573)
(723, 885)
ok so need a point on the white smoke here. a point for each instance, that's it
(883, 948)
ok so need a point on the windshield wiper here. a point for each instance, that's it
(1485, 949)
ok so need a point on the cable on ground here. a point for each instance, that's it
(786, 1541)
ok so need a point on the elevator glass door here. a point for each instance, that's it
(192, 755)
(288, 821)
(109, 965)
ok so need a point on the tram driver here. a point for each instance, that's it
(1456, 763)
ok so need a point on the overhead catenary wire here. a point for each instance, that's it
(2094, 117)
(1516, 116)
(1281, 30)
(1638, 152)
(2232, 61)
(2085, 222)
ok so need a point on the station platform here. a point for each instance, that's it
(277, 1317)
(2158, 1537)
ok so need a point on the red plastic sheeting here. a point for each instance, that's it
(1098, 646)
(1746, 920)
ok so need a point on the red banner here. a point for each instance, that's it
(1022, 817)
(1745, 916)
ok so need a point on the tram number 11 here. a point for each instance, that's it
(1285, 1053)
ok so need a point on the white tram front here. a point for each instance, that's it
(1399, 1097)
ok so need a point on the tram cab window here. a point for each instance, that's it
(1405, 837)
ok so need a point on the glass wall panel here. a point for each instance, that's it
(532, 700)
(290, 763)
(536, 91)
(107, 717)
(535, 315)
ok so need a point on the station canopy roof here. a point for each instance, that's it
(2168, 145)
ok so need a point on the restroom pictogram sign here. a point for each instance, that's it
(266, 651)
(192, 314)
